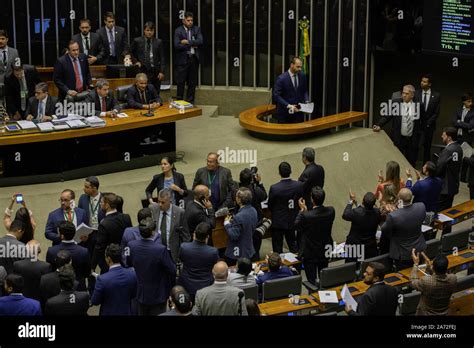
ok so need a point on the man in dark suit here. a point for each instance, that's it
(406, 124)
(19, 87)
(114, 39)
(200, 209)
(219, 181)
(105, 104)
(71, 72)
(14, 303)
(11, 241)
(171, 224)
(283, 204)
(426, 190)
(429, 112)
(470, 182)
(187, 42)
(66, 212)
(143, 95)
(49, 282)
(68, 302)
(32, 269)
(289, 91)
(156, 271)
(240, 228)
(365, 220)
(115, 290)
(197, 258)
(80, 256)
(41, 107)
(313, 174)
(89, 43)
(8, 56)
(463, 120)
(147, 51)
(403, 229)
(449, 168)
(110, 230)
(316, 228)
(380, 299)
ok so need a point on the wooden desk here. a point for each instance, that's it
(466, 212)
(46, 72)
(284, 306)
(463, 305)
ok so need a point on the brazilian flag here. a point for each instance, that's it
(304, 49)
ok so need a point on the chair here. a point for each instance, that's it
(78, 97)
(464, 283)
(251, 292)
(410, 303)
(383, 259)
(121, 92)
(432, 248)
(459, 240)
(338, 275)
(281, 288)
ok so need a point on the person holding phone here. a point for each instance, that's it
(200, 209)
(22, 214)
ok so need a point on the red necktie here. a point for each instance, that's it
(69, 216)
(104, 105)
(78, 77)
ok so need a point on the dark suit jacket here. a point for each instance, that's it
(65, 78)
(49, 286)
(133, 96)
(429, 117)
(121, 43)
(195, 214)
(156, 271)
(313, 175)
(467, 126)
(7, 69)
(178, 231)
(380, 299)
(284, 94)
(138, 49)
(364, 225)
(115, 290)
(32, 108)
(13, 89)
(426, 191)
(279, 198)
(316, 227)
(110, 231)
(96, 46)
(226, 184)
(32, 271)
(198, 260)
(181, 57)
(84, 202)
(8, 242)
(61, 305)
(240, 231)
(54, 220)
(80, 259)
(158, 183)
(449, 168)
(110, 102)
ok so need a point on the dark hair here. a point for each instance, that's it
(93, 181)
(431, 167)
(16, 281)
(284, 169)
(293, 59)
(244, 266)
(274, 262)
(66, 277)
(42, 86)
(309, 154)
(146, 227)
(63, 257)
(451, 132)
(379, 269)
(18, 67)
(108, 14)
(245, 177)
(318, 195)
(369, 200)
(440, 264)
(67, 229)
(427, 76)
(170, 160)
(3, 32)
(71, 192)
(149, 24)
(188, 14)
(466, 96)
(110, 199)
(17, 225)
(84, 20)
(71, 42)
(143, 214)
(202, 231)
(23, 215)
(252, 307)
(119, 204)
(181, 299)
(114, 251)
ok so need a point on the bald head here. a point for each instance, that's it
(201, 190)
(220, 271)
(405, 195)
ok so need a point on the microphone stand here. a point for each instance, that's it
(241, 295)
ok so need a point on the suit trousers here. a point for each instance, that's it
(152, 74)
(313, 267)
(277, 240)
(187, 74)
(257, 243)
(445, 202)
(408, 146)
(427, 141)
(157, 309)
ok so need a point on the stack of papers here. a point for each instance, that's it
(290, 257)
(45, 126)
(328, 296)
(76, 124)
(26, 124)
(69, 117)
(122, 115)
(82, 230)
(347, 298)
(95, 121)
(181, 104)
(61, 126)
(307, 108)
(444, 218)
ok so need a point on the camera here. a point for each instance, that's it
(264, 226)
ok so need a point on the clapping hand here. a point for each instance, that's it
(415, 257)
(302, 205)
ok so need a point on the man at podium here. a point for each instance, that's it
(290, 89)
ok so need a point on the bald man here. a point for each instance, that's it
(200, 209)
(32, 269)
(220, 298)
(403, 229)
(143, 95)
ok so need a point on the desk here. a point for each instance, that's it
(462, 305)
(284, 306)
(466, 212)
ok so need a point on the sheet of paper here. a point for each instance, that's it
(76, 124)
(307, 108)
(444, 218)
(264, 204)
(425, 228)
(61, 127)
(82, 230)
(290, 257)
(466, 150)
(122, 115)
(328, 297)
(165, 87)
(347, 297)
(26, 124)
(45, 126)
(378, 234)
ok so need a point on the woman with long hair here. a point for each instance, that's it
(24, 215)
(392, 176)
(388, 204)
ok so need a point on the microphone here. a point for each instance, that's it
(241, 296)
(150, 112)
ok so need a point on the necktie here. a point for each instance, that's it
(409, 121)
(87, 44)
(111, 43)
(147, 53)
(40, 110)
(463, 116)
(142, 97)
(425, 104)
(4, 57)
(295, 81)
(104, 105)
(163, 229)
(69, 216)
(23, 93)
(77, 75)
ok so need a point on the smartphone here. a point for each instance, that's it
(202, 199)
(19, 198)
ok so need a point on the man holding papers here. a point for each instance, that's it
(42, 106)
